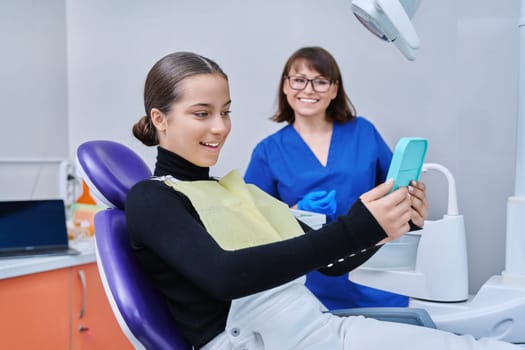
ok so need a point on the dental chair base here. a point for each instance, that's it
(496, 311)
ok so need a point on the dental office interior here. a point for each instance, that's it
(73, 71)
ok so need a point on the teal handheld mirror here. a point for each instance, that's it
(407, 161)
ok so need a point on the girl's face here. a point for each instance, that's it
(308, 102)
(198, 124)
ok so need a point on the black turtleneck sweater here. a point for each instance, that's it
(199, 279)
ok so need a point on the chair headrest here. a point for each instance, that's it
(110, 169)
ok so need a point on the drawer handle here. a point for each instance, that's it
(82, 276)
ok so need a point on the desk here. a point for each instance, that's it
(56, 303)
(15, 267)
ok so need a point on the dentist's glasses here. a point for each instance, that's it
(298, 82)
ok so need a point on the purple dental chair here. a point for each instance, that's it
(110, 169)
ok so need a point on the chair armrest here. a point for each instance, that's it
(414, 316)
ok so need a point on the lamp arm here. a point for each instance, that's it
(399, 18)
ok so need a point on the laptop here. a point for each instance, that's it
(30, 228)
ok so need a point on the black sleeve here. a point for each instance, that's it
(164, 221)
(349, 263)
(344, 265)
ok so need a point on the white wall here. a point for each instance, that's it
(460, 93)
(33, 98)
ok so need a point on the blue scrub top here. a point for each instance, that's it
(358, 159)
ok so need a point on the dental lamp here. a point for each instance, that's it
(389, 20)
(497, 310)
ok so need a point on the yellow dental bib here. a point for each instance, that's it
(238, 215)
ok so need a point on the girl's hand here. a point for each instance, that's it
(419, 202)
(391, 210)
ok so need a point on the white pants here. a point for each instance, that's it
(289, 317)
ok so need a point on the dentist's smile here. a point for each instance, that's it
(308, 100)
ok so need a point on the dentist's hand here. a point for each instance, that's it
(319, 202)
(391, 210)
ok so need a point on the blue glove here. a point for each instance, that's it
(319, 202)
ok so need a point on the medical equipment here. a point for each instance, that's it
(429, 264)
(390, 21)
(437, 279)
(498, 308)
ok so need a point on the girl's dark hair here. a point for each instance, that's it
(162, 88)
(340, 110)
